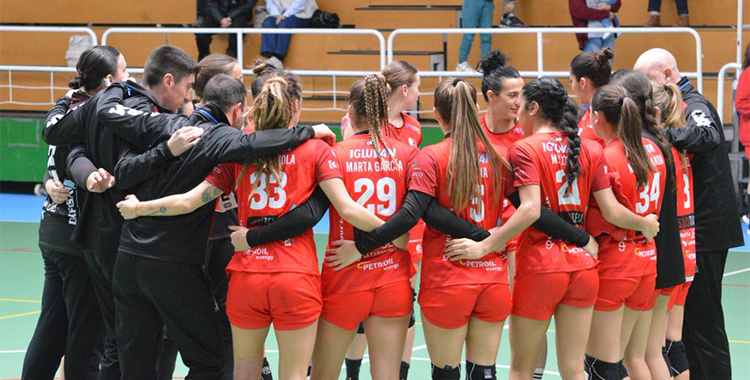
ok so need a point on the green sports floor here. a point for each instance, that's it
(21, 278)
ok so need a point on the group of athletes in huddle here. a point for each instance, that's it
(530, 211)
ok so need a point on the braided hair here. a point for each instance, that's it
(369, 99)
(557, 107)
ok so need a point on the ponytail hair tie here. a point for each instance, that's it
(457, 81)
(622, 98)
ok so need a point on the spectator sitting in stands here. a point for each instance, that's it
(509, 17)
(225, 14)
(582, 15)
(654, 9)
(284, 14)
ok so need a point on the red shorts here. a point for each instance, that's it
(415, 242)
(536, 295)
(512, 245)
(347, 310)
(668, 291)
(679, 295)
(633, 292)
(290, 300)
(451, 307)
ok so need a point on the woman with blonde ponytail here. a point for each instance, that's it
(463, 298)
(279, 282)
(627, 273)
(402, 91)
(668, 100)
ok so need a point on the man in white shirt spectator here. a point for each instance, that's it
(284, 14)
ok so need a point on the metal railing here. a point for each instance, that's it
(735, 145)
(47, 69)
(239, 32)
(540, 32)
(740, 27)
(51, 29)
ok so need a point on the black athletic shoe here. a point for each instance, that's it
(511, 21)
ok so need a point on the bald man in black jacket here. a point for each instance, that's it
(717, 219)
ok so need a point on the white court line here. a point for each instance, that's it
(737, 272)
(417, 348)
(12, 351)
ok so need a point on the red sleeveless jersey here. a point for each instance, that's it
(263, 197)
(586, 129)
(409, 133)
(429, 176)
(632, 256)
(540, 160)
(685, 212)
(379, 185)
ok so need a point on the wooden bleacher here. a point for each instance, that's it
(323, 52)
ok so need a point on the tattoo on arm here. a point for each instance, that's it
(161, 210)
(210, 193)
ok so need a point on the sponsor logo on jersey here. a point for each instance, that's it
(700, 118)
(644, 253)
(386, 264)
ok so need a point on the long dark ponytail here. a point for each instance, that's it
(616, 105)
(639, 87)
(455, 101)
(557, 107)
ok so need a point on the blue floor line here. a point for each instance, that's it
(28, 208)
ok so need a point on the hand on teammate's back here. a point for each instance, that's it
(100, 181)
(592, 248)
(56, 191)
(344, 255)
(239, 239)
(129, 207)
(651, 229)
(324, 133)
(183, 139)
(466, 249)
(402, 242)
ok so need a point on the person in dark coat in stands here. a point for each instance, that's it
(224, 14)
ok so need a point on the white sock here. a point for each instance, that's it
(538, 373)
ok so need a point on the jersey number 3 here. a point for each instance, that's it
(265, 183)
